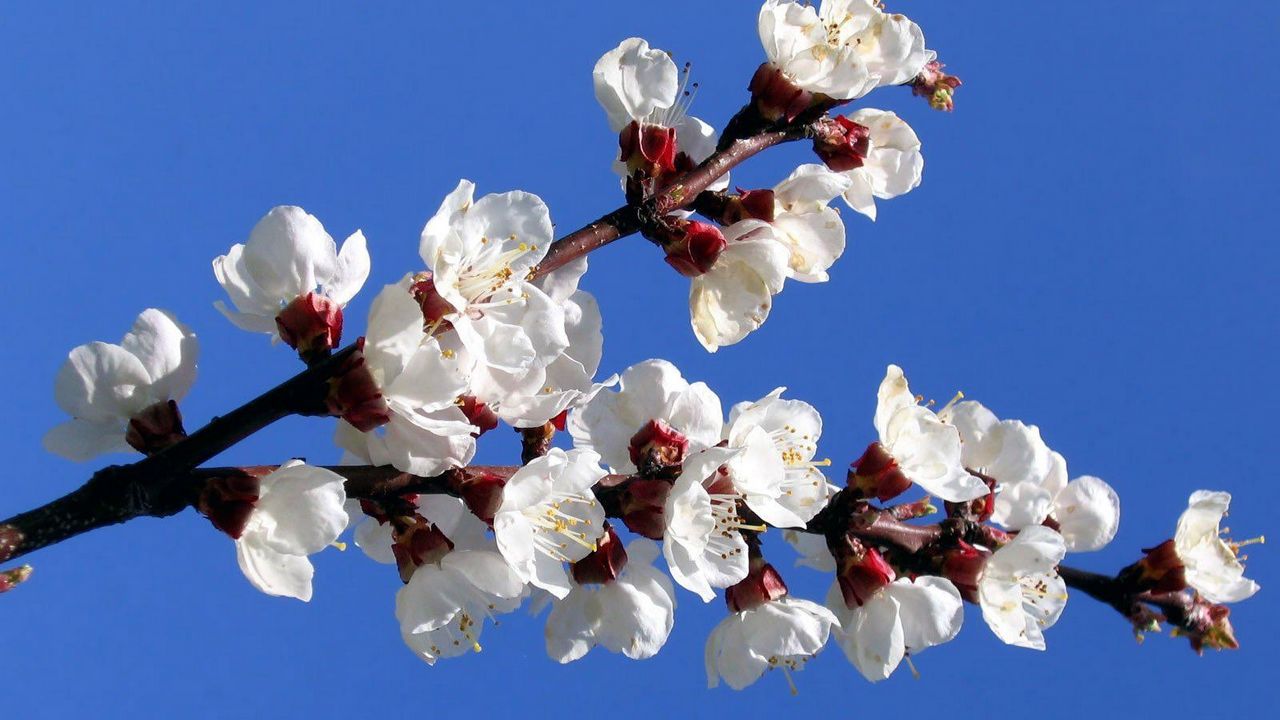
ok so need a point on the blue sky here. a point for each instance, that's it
(1092, 250)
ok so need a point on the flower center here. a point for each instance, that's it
(556, 526)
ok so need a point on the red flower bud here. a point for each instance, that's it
(841, 143)
(482, 493)
(355, 396)
(861, 571)
(478, 414)
(658, 448)
(644, 505)
(229, 501)
(761, 585)
(777, 98)
(649, 150)
(1159, 571)
(963, 566)
(604, 564)
(434, 307)
(312, 325)
(877, 475)
(155, 428)
(694, 247)
(416, 542)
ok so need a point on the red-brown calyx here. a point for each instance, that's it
(354, 395)
(605, 563)
(155, 428)
(657, 449)
(841, 143)
(229, 501)
(312, 325)
(876, 474)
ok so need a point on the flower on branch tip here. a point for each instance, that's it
(288, 257)
(629, 610)
(904, 617)
(549, 516)
(775, 472)
(122, 396)
(648, 391)
(299, 512)
(647, 99)
(1213, 565)
(842, 49)
(892, 164)
(734, 297)
(1020, 591)
(926, 449)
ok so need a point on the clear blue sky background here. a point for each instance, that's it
(1093, 250)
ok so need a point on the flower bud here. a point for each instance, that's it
(649, 150)
(693, 247)
(605, 563)
(861, 571)
(1207, 625)
(877, 475)
(777, 99)
(657, 449)
(434, 307)
(644, 505)
(841, 143)
(416, 542)
(1159, 571)
(963, 566)
(478, 414)
(482, 493)
(312, 325)
(155, 428)
(936, 86)
(228, 502)
(9, 579)
(355, 396)
(761, 585)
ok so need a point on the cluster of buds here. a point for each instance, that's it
(936, 86)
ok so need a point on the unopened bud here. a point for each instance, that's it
(693, 247)
(936, 86)
(861, 571)
(312, 325)
(762, 584)
(1207, 625)
(963, 566)
(604, 564)
(228, 502)
(876, 474)
(841, 143)
(355, 396)
(155, 428)
(658, 448)
(644, 505)
(9, 579)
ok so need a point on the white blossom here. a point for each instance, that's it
(844, 49)
(781, 633)
(1020, 591)
(893, 166)
(775, 472)
(1086, 510)
(734, 297)
(288, 254)
(1212, 565)
(702, 541)
(480, 254)
(633, 614)
(299, 512)
(420, 381)
(103, 386)
(927, 449)
(1011, 453)
(903, 618)
(549, 516)
(649, 390)
(806, 225)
